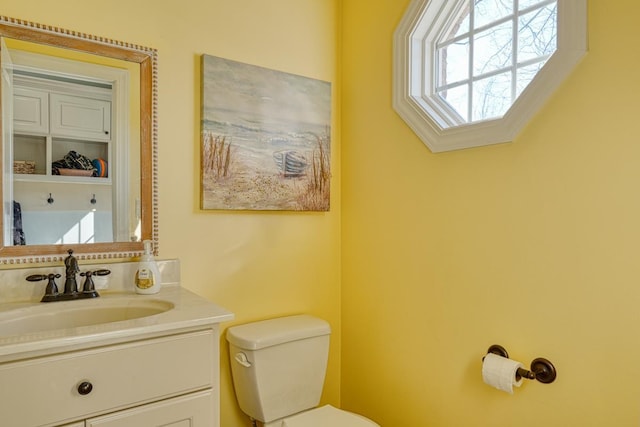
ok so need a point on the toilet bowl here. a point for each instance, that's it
(278, 368)
(327, 416)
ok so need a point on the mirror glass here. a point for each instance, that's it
(78, 145)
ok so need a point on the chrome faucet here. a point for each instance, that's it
(70, 284)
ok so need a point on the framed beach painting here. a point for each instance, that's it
(266, 139)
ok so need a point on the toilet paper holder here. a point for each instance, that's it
(541, 369)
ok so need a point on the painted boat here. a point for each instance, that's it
(290, 163)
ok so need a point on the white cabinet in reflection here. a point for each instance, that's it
(80, 117)
(30, 111)
(55, 120)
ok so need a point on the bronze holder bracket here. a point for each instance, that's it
(542, 369)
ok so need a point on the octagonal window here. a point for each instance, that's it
(473, 72)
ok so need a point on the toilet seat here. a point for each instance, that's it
(327, 416)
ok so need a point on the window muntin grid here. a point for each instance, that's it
(489, 52)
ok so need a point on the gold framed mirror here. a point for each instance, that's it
(129, 170)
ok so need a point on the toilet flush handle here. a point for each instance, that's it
(241, 358)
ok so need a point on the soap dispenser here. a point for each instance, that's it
(147, 280)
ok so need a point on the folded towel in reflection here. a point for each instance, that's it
(72, 160)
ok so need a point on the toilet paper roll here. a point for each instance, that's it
(500, 372)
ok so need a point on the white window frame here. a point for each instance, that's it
(419, 107)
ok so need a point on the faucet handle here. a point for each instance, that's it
(88, 287)
(102, 272)
(51, 291)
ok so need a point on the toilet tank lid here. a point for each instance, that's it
(267, 333)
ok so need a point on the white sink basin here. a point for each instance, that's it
(72, 314)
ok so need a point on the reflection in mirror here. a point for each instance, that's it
(78, 141)
(72, 138)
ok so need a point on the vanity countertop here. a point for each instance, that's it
(189, 312)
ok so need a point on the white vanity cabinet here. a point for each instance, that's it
(191, 410)
(159, 381)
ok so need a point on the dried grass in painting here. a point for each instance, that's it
(216, 155)
(317, 190)
(266, 139)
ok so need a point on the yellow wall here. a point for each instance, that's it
(533, 245)
(255, 264)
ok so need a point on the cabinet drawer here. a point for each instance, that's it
(193, 410)
(47, 392)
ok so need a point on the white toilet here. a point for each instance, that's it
(278, 368)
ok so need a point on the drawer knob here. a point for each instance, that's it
(85, 388)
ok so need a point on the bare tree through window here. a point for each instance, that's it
(490, 51)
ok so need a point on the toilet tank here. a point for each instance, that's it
(278, 365)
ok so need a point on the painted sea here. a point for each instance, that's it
(253, 120)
